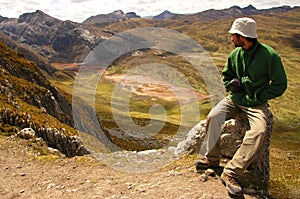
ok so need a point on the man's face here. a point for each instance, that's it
(236, 39)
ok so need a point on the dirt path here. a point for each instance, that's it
(24, 174)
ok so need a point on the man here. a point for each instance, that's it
(252, 75)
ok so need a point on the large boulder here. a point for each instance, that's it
(232, 134)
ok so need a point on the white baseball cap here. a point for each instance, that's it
(244, 26)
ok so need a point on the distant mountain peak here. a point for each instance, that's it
(164, 15)
(118, 12)
(235, 7)
(36, 13)
(34, 16)
(166, 12)
(40, 12)
(111, 17)
(250, 7)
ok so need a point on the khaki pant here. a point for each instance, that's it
(252, 141)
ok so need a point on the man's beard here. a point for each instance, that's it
(238, 43)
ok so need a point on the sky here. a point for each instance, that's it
(79, 10)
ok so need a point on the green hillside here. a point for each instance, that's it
(26, 91)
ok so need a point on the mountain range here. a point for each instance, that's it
(212, 14)
(60, 41)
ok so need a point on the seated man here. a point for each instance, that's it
(252, 75)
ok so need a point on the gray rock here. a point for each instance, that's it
(26, 133)
(203, 177)
(231, 138)
(210, 172)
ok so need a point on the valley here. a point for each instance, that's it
(136, 90)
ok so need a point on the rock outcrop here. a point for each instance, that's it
(231, 137)
(54, 137)
(51, 38)
(68, 145)
(104, 19)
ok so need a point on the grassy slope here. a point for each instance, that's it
(21, 90)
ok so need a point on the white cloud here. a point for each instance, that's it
(79, 10)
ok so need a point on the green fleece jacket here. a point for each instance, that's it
(260, 72)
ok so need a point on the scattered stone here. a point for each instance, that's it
(203, 178)
(23, 174)
(129, 186)
(19, 166)
(58, 187)
(26, 133)
(174, 173)
(50, 185)
(210, 172)
(54, 151)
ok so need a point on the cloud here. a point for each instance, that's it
(79, 10)
(79, 1)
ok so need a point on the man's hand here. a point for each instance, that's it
(234, 85)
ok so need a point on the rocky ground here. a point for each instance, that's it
(25, 172)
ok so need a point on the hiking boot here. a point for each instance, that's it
(204, 163)
(232, 186)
